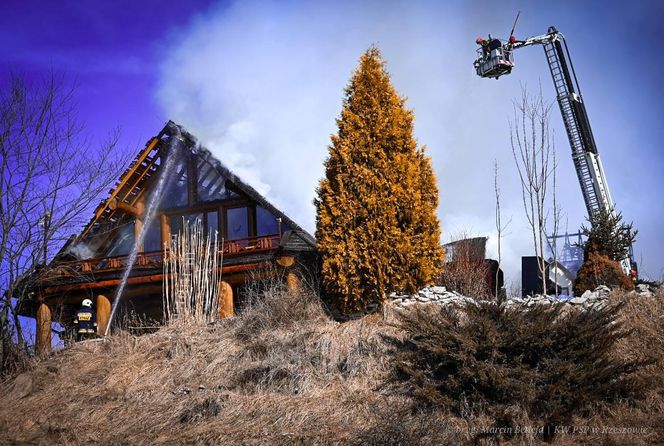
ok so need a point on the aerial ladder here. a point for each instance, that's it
(495, 59)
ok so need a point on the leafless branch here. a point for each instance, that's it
(50, 178)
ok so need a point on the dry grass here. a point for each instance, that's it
(282, 372)
(645, 317)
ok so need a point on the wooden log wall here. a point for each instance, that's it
(293, 282)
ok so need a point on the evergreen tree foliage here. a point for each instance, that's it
(376, 224)
(609, 236)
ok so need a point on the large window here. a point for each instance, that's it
(237, 223)
(123, 242)
(177, 222)
(152, 239)
(212, 223)
(266, 223)
(209, 221)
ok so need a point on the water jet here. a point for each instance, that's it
(175, 143)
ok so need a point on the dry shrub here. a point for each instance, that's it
(191, 275)
(467, 272)
(269, 305)
(554, 364)
(599, 269)
(289, 342)
(643, 316)
(13, 358)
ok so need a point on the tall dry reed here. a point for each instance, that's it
(192, 273)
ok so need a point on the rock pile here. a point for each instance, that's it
(644, 290)
(431, 294)
(440, 295)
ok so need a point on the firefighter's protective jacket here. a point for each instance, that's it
(85, 321)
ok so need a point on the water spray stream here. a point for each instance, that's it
(150, 211)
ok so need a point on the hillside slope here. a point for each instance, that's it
(281, 373)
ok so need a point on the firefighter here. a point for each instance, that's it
(494, 44)
(85, 321)
(484, 43)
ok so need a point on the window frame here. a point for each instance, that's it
(203, 210)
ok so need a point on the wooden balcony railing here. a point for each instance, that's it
(155, 259)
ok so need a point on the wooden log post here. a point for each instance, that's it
(225, 300)
(138, 227)
(293, 282)
(286, 261)
(43, 341)
(124, 207)
(138, 224)
(165, 232)
(103, 314)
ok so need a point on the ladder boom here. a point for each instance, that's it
(579, 133)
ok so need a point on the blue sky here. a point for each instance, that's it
(261, 84)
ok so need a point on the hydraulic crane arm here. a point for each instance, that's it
(537, 40)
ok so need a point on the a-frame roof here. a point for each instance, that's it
(143, 170)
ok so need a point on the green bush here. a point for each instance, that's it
(608, 235)
(486, 359)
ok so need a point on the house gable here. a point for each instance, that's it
(201, 187)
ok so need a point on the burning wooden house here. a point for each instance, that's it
(257, 237)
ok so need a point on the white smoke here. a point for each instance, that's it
(81, 251)
(261, 83)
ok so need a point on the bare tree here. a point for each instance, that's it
(50, 177)
(500, 227)
(557, 216)
(532, 150)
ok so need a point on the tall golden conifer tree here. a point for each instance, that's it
(376, 224)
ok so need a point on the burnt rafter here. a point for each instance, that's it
(139, 173)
